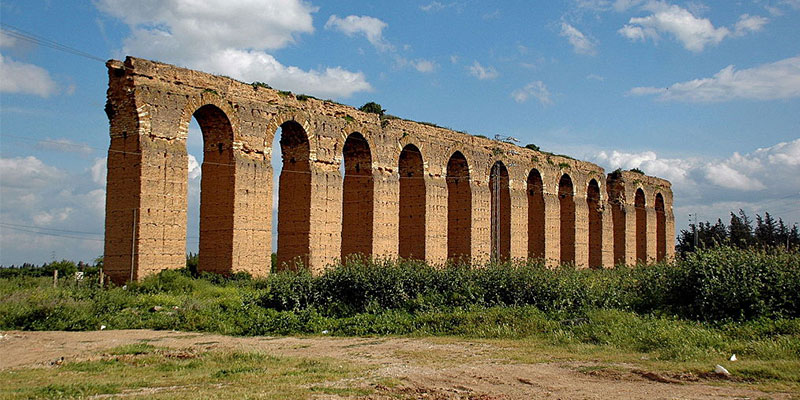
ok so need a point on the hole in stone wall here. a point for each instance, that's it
(535, 215)
(357, 197)
(292, 202)
(566, 202)
(501, 211)
(641, 226)
(595, 225)
(459, 209)
(661, 228)
(411, 231)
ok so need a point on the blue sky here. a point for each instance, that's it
(703, 93)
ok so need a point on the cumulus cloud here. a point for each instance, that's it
(581, 44)
(435, 6)
(231, 37)
(483, 73)
(24, 78)
(778, 80)
(536, 89)
(370, 27)
(420, 65)
(39, 195)
(65, 146)
(693, 32)
(767, 179)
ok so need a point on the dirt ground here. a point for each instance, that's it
(426, 368)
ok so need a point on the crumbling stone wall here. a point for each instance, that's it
(408, 189)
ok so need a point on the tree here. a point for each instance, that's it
(372, 107)
(740, 231)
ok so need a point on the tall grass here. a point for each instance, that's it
(735, 293)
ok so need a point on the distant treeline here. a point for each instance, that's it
(767, 232)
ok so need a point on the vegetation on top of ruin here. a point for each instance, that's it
(532, 146)
(285, 93)
(637, 170)
(256, 85)
(373, 108)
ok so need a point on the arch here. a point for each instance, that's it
(294, 197)
(641, 226)
(459, 208)
(566, 201)
(357, 197)
(535, 191)
(595, 224)
(661, 228)
(217, 192)
(411, 233)
(616, 200)
(501, 211)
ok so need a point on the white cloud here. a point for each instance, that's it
(194, 168)
(435, 6)
(370, 27)
(536, 89)
(19, 77)
(231, 37)
(483, 73)
(98, 171)
(596, 77)
(423, 66)
(778, 80)
(581, 44)
(749, 23)
(65, 146)
(693, 32)
(36, 194)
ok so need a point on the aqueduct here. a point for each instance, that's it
(409, 189)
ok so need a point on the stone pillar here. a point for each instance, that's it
(630, 233)
(481, 218)
(435, 219)
(519, 217)
(581, 226)
(552, 228)
(651, 232)
(252, 236)
(385, 213)
(608, 233)
(326, 216)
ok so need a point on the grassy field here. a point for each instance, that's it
(677, 318)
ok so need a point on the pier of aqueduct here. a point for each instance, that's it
(408, 189)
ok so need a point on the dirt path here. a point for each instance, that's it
(425, 368)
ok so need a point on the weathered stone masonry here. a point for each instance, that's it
(409, 189)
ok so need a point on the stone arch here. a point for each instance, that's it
(411, 232)
(616, 201)
(661, 228)
(566, 201)
(197, 102)
(595, 224)
(536, 215)
(357, 197)
(641, 225)
(217, 194)
(459, 208)
(501, 211)
(299, 118)
(294, 197)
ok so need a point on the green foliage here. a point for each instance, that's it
(285, 93)
(532, 146)
(304, 97)
(256, 85)
(767, 233)
(373, 108)
(563, 165)
(481, 136)
(637, 170)
(212, 91)
(349, 118)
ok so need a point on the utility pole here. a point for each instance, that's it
(694, 228)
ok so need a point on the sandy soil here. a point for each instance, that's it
(425, 368)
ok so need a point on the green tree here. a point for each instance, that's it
(372, 107)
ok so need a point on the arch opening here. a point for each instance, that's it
(357, 197)
(294, 197)
(459, 209)
(566, 201)
(215, 246)
(661, 228)
(616, 201)
(595, 225)
(536, 216)
(501, 211)
(641, 226)
(411, 232)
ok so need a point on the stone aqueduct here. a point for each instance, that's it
(409, 189)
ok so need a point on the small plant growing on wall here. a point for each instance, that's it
(637, 170)
(532, 146)
(257, 85)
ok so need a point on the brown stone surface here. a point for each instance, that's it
(408, 189)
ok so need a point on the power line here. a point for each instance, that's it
(17, 33)
(50, 234)
(50, 229)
